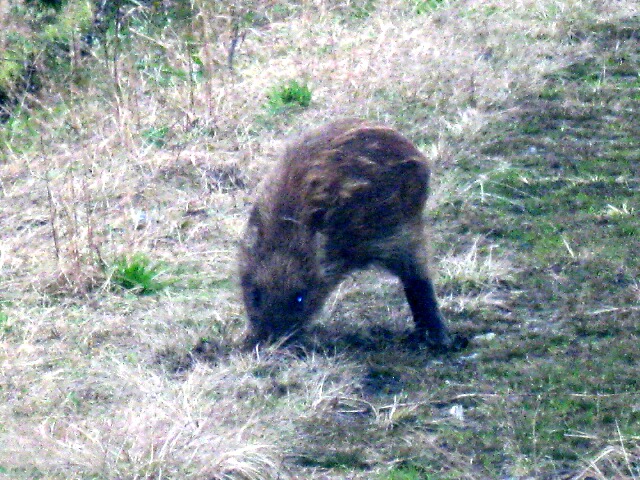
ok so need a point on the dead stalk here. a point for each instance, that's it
(53, 213)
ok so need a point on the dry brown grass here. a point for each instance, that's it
(96, 383)
(618, 460)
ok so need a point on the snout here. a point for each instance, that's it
(271, 329)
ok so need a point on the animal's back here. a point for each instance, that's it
(352, 180)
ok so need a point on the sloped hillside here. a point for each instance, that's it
(132, 138)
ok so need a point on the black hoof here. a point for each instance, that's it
(447, 344)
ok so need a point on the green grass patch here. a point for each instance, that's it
(156, 136)
(288, 96)
(341, 460)
(19, 133)
(362, 9)
(139, 274)
(406, 473)
(4, 323)
(425, 6)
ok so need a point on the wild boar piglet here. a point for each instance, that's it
(342, 197)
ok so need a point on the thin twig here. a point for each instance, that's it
(52, 218)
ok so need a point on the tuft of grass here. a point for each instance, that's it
(612, 211)
(156, 136)
(362, 9)
(620, 460)
(138, 274)
(425, 6)
(4, 323)
(292, 94)
(340, 460)
(476, 268)
(406, 473)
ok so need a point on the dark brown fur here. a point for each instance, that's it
(344, 196)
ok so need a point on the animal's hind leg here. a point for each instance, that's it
(429, 322)
(411, 268)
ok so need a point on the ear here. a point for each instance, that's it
(255, 217)
(255, 228)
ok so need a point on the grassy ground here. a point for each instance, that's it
(123, 197)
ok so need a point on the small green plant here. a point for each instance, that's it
(156, 136)
(290, 95)
(426, 6)
(4, 320)
(405, 473)
(138, 274)
(362, 10)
